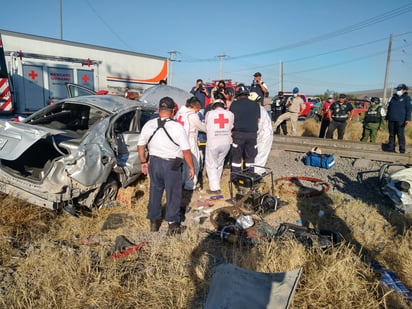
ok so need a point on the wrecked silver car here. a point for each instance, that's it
(76, 152)
(397, 186)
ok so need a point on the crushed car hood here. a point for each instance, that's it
(401, 199)
(17, 137)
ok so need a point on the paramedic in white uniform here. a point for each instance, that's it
(189, 118)
(219, 124)
(264, 136)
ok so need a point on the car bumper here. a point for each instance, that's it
(48, 195)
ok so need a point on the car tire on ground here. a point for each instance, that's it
(107, 193)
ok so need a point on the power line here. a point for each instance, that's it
(331, 52)
(370, 21)
(314, 56)
(360, 25)
(334, 51)
(108, 26)
(345, 62)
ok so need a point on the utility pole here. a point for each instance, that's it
(221, 57)
(171, 59)
(281, 76)
(61, 20)
(388, 60)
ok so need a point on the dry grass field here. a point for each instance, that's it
(50, 260)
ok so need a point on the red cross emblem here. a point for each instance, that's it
(221, 121)
(33, 75)
(85, 78)
(179, 120)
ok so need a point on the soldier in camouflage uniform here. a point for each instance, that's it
(373, 121)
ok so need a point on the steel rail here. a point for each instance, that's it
(341, 148)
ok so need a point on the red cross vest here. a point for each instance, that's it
(219, 124)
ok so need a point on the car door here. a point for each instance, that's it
(125, 138)
(76, 90)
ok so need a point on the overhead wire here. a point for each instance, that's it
(349, 61)
(108, 26)
(331, 52)
(314, 56)
(351, 28)
(370, 21)
(289, 74)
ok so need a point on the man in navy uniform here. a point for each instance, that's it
(246, 115)
(168, 144)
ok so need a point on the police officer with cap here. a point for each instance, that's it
(293, 104)
(340, 113)
(398, 116)
(167, 144)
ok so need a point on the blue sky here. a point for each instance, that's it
(323, 44)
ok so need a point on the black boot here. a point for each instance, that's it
(175, 228)
(155, 225)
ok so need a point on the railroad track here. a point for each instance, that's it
(341, 148)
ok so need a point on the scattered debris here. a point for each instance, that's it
(91, 240)
(216, 197)
(308, 237)
(202, 204)
(235, 287)
(123, 247)
(301, 186)
(391, 281)
(115, 221)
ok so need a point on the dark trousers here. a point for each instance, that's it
(396, 128)
(323, 127)
(336, 125)
(243, 147)
(283, 125)
(165, 176)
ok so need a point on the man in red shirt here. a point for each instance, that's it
(325, 118)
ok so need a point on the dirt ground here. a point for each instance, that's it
(52, 260)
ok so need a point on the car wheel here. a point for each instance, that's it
(107, 193)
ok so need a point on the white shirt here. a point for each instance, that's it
(160, 145)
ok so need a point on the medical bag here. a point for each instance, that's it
(320, 160)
